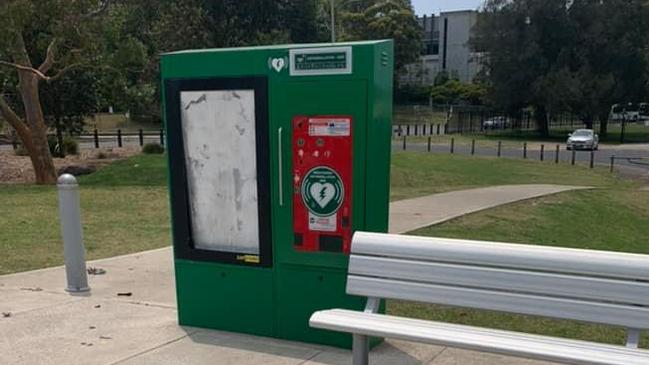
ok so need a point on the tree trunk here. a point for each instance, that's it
(60, 152)
(36, 146)
(540, 114)
(603, 125)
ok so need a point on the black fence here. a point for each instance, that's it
(461, 119)
(98, 139)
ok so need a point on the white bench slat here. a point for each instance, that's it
(472, 338)
(614, 290)
(538, 258)
(626, 316)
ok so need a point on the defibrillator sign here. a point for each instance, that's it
(322, 191)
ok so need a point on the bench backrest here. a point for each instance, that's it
(584, 285)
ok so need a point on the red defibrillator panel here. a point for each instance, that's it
(322, 182)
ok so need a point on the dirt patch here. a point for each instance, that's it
(18, 169)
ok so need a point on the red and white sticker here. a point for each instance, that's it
(330, 127)
(322, 224)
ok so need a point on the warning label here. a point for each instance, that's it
(329, 127)
(322, 224)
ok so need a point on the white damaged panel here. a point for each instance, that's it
(220, 147)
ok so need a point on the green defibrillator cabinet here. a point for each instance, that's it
(276, 156)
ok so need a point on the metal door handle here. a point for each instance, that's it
(280, 167)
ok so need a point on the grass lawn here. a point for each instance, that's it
(105, 122)
(417, 174)
(124, 210)
(615, 219)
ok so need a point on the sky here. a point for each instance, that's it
(435, 6)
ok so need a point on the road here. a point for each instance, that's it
(602, 157)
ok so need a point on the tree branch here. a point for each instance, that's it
(49, 58)
(10, 116)
(25, 68)
(103, 6)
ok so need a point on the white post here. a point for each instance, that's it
(73, 251)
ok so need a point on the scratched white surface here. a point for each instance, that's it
(220, 145)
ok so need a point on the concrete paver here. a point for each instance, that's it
(411, 214)
(47, 325)
(452, 356)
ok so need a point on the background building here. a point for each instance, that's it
(446, 48)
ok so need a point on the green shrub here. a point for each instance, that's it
(153, 148)
(70, 146)
(21, 151)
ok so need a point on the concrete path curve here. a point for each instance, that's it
(411, 214)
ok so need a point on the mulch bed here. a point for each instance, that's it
(18, 169)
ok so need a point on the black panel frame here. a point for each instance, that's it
(184, 247)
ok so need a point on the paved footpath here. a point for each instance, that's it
(42, 324)
(411, 214)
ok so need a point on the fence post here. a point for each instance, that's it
(438, 128)
(141, 133)
(542, 152)
(96, 135)
(416, 130)
(612, 162)
(14, 143)
(408, 130)
(119, 138)
(73, 251)
(524, 149)
(473, 147)
(404, 142)
(592, 159)
(452, 145)
(430, 129)
(500, 147)
(429, 141)
(162, 137)
(574, 155)
(556, 155)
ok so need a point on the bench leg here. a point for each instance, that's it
(361, 348)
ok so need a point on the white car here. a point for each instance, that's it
(584, 139)
(495, 123)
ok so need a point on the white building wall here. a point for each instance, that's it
(454, 48)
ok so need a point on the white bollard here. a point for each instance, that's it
(73, 251)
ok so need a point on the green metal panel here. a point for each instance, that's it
(226, 297)
(278, 301)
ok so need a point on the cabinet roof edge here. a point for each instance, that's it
(277, 47)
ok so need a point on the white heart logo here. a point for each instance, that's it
(278, 64)
(322, 193)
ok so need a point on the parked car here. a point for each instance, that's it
(495, 123)
(584, 139)
(644, 112)
(629, 112)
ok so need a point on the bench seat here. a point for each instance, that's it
(478, 339)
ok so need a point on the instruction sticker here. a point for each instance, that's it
(330, 127)
(323, 224)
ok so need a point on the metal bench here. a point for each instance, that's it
(591, 286)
